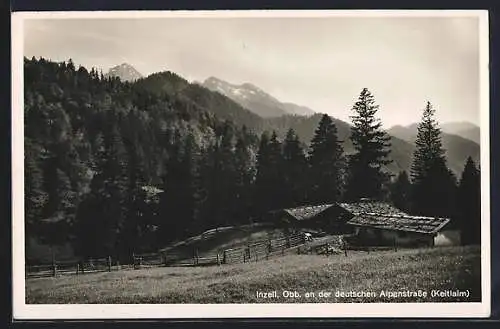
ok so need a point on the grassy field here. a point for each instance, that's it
(449, 268)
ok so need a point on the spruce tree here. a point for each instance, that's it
(367, 175)
(434, 188)
(106, 203)
(190, 188)
(469, 203)
(35, 196)
(175, 217)
(294, 169)
(243, 184)
(137, 215)
(326, 164)
(218, 178)
(268, 193)
(400, 191)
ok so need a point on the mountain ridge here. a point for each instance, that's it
(255, 99)
(226, 108)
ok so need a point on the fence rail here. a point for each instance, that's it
(70, 267)
(252, 252)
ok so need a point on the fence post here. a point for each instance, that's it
(282, 250)
(224, 259)
(77, 268)
(133, 260)
(256, 255)
(164, 259)
(288, 241)
(218, 258)
(345, 247)
(244, 257)
(395, 245)
(54, 267)
(109, 263)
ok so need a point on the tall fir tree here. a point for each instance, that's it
(400, 192)
(294, 169)
(243, 185)
(434, 186)
(469, 203)
(178, 200)
(35, 196)
(367, 175)
(218, 176)
(190, 189)
(326, 164)
(268, 193)
(138, 214)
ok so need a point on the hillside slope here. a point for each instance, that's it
(402, 138)
(463, 129)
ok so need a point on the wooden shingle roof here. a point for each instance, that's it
(378, 207)
(376, 214)
(307, 212)
(419, 224)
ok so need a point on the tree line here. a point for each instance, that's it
(115, 167)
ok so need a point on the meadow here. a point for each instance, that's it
(304, 276)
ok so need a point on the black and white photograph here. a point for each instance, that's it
(250, 163)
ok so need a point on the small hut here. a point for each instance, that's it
(370, 222)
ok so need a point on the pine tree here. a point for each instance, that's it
(227, 171)
(137, 215)
(269, 179)
(469, 203)
(243, 184)
(103, 212)
(294, 169)
(190, 190)
(433, 183)
(367, 176)
(326, 164)
(35, 196)
(400, 192)
(218, 176)
(171, 199)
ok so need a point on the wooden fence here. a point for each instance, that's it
(252, 252)
(71, 267)
(255, 251)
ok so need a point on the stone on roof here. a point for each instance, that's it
(419, 224)
(379, 207)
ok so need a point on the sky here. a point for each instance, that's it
(319, 62)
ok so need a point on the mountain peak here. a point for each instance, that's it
(254, 99)
(125, 72)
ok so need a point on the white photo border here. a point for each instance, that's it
(23, 311)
